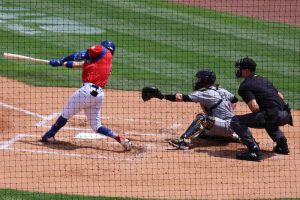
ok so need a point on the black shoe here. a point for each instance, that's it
(179, 144)
(249, 155)
(282, 147)
(45, 139)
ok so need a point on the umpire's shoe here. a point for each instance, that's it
(252, 154)
(282, 146)
(179, 144)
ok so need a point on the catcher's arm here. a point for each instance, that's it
(150, 92)
(179, 97)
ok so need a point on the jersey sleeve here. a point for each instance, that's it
(201, 97)
(226, 94)
(246, 93)
(78, 56)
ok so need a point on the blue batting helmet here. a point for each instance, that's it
(109, 45)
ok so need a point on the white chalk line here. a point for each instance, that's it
(46, 118)
(5, 145)
(23, 110)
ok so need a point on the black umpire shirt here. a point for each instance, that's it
(261, 89)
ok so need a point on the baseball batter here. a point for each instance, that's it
(217, 104)
(96, 64)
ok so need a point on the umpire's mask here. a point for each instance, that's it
(238, 70)
(245, 63)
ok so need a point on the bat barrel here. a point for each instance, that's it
(11, 56)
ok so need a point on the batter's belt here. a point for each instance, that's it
(94, 89)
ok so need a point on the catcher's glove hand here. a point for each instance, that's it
(149, 92)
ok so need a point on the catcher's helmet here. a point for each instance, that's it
(204, 79)
(109, 45)
(244, 63)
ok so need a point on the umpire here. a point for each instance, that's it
(269, 111)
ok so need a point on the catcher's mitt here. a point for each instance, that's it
(149, 92)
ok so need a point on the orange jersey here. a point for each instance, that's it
(97, 68)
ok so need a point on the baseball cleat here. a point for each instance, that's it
(45, 139)
(179, 144)
(249, 155)
(127, 145)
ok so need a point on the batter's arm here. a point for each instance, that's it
(73, 64)
(77, 56)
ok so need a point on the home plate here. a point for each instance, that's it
(89, 136)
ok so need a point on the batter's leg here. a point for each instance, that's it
(109, 133)
(60, 122)
(94, 117)
(92, 112)
(75, 104)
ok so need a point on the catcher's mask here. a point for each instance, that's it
(245, 63)
(109, 45)
(204, 79)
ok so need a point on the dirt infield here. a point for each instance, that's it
(99, 166)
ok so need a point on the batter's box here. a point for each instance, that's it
(104, 148)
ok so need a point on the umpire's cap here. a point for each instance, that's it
(246, 63)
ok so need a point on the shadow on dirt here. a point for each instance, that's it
(222, 148)
(65, 145)
(231, 154)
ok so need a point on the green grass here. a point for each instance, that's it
(158, 43)
(6, 194)
(10, 194)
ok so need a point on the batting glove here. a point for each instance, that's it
(56, 62)
(69, 64)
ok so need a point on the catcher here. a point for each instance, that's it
(217, 103)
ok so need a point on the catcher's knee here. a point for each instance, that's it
(207, 122)
(198, 127)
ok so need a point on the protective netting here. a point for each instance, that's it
(73, 124)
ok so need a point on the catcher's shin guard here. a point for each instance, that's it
(196, 128)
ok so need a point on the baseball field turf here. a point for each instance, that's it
(15, 194)
(158, 43)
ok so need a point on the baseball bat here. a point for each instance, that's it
(11, 56)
